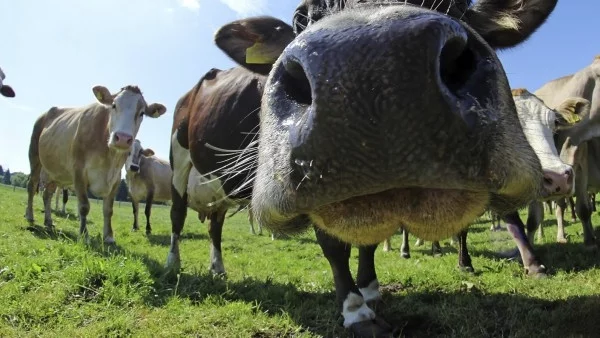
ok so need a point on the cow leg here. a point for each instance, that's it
(148, 210)
(65, 199)
(387, 244)
(516, 228)
(215, 231)
(561, 205)
(83, 203)
(584, 211)
(107, 211)
(572, 205)
(418, 242)
(32, 188)
(135, 205)
(358, 317)
(593, 201)
(366, 278)
(405, 248)
(251, 221)
(47, 198)
(535, 217)
(436, 249)
(464, 259)
(56, 203)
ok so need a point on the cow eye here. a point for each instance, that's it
(142, 113)
(114, 106)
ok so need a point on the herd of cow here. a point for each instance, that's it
(361, 118)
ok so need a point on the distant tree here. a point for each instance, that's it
(1, 171)
(19, 179)
(123, 192)
(6, 177)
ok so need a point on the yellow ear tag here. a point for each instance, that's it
(572, 118)
(99, 97)
(155, 114)
(256, 55)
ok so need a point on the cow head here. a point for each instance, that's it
(127, 110)
(5, 90)
(135, 155)
(379, 113)
(540, 123)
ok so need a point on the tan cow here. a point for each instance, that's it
(86, 147)
(584, 158)
(148, 178)
(5, 90)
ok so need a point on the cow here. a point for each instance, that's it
(583, 157)
(148, 178)
(539, 124)
(5, 89)
(219, 114)
(86, 148)
(380, 113)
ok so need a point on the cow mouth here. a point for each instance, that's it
(428, 213)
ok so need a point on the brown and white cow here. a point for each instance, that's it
(5, 89)
(380, 113)
(86, 148)
(218, 114)
(583, 157)
(148, 178)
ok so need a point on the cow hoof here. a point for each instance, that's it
(109, 240)
(467, 269)
(436, 254)
(134, 229)
(218, 272)
(405, 255)
(536, 272)
(561, 240)
(372, 328)
(148, 232)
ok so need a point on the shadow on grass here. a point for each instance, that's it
(165, 239)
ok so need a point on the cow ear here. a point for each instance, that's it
(103, 95)
(7, 91)
(148, 152)
(155, 110)
(571, 111)
(508, 23)
(254, 43)
(574, 107)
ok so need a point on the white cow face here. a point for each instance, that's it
(539, 124)
(133, 160)
(5, 90)
(127, 110)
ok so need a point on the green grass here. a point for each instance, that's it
(53, 285)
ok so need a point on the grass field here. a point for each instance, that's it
(54, 286)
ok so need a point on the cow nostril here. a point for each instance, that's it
(295, 83)
(129, 142)
(548, 181)
(457, 63)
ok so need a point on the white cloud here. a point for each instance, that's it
(246, 7)
(193, 5)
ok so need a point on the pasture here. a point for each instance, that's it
(52, 285)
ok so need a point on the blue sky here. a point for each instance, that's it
(54, 52)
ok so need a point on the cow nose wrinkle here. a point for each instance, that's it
(457, 63)
(295, 82)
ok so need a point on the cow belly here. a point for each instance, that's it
(206, 195)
